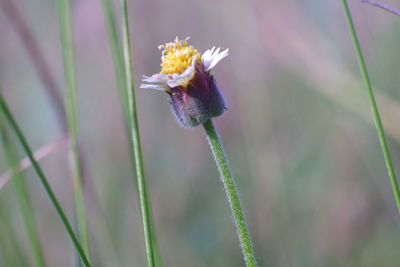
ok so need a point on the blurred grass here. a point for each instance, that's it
(63, 11)
(19, 135)
(11, 250)
(22, 196)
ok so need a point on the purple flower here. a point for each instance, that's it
(185, 77)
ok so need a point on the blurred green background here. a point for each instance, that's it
(298, 132)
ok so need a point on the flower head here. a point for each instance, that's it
(185, 77)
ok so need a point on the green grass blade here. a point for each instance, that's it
(112, 32)
(10, 118)
(63, 8)
(137, 151)
(23, 198)
(372, 104)
(231, 193)
(119, 67)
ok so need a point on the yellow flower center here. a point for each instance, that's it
(177, 56)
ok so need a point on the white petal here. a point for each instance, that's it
(206, 57)
(156, 78)
(212, 56)
(154, 87)
(157, 82)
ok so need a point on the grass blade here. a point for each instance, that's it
(23, 198)
(10, 118)
(231, 193)
(134, 127)
(112, 32)
(63, 8)
(114, 41)
(11, 253)
(372, 104)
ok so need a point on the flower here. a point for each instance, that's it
(185, 77)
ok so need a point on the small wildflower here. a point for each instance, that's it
(185, 77)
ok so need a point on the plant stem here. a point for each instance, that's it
(63, 8)
(231, 192)
(23, 197)
(137, 150)
(372, 104)
(7, 114)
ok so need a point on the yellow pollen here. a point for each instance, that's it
(177, 56)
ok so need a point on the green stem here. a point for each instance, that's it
(23, 198)
(63, 8)
(112, 32)
(373, 105)
(137, 151)
(7, 114)
(231, 193)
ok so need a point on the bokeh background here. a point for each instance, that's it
(298, 132)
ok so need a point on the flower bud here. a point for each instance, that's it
(185, 77)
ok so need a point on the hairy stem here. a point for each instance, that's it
(372, 104)
(231, 192)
